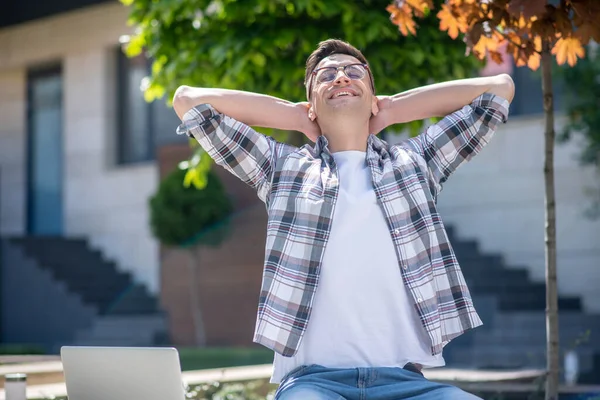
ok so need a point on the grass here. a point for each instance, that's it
(220, 357)
(20, 349)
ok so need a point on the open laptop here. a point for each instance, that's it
(122, 373)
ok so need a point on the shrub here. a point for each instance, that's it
(181, 215)
(253, 390)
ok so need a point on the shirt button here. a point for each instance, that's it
(405, 267)
(397, 231)
(419, 299)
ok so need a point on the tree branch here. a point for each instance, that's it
(520, 46)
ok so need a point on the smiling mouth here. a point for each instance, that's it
(342, 93)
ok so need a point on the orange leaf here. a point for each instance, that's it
(528, 8)
(588, 30)
(514, 38)
(474, 34)
(534, 61)
(512, 50)
(485, 43)
(403, 18)
(522, 22)
(543, 28)
(496, 57)
(521, 60)
(419, 6)
(586, 17)
(449, 23)
(567, 50)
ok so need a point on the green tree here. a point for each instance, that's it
(262, 45)
(582, 97)
(533, 31)
(182, 216)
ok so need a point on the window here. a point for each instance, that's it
(44, 152)
(141, 125)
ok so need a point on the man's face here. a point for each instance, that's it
(336, 93)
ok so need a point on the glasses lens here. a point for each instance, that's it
(355, 71)
(326, 75)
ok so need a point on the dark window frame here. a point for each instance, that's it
(33, 74)
(124, 67)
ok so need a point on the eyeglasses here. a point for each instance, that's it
(354, 71)
(328, 74)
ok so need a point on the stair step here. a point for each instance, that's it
(134, 330)
(506, 280)
(513, 357)
(87, 273)
(520, 302)
(513, 310)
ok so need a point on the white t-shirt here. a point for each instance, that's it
(362, 314)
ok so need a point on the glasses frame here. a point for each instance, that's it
(337, 69)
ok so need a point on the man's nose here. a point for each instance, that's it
(341, 78)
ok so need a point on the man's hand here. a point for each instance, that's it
(310, 128)
(382, 120)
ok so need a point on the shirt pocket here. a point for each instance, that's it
(298, 179)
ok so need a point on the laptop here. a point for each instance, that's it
(122, 373)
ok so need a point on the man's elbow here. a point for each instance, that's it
(504, 87)
(182, 100)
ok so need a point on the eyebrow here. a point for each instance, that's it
(338, 64)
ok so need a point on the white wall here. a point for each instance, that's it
(102, 201)
(12, 151)
(498, 199)
(106, 203)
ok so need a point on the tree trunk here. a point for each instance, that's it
(194, 266)
(552, 349)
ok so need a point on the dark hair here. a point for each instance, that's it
(327, 48)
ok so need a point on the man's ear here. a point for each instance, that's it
(311, 113)
(375, 106)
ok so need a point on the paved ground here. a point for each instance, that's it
(27, 359)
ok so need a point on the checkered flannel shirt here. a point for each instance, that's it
(300, 187)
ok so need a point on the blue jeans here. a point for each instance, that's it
(315, 382)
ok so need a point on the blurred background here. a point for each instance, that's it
(87, 166)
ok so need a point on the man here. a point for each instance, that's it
(361, 288)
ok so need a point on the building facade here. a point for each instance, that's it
(81, 152)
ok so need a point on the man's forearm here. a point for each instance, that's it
(441, 99)
(250, 108)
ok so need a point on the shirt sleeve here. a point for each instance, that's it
(241, 150)
(459, 136)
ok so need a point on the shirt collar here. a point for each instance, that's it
(373, 143)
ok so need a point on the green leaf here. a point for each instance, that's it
(190, 178)
(259, 60)
(181, 215)
(154, 92)
(417, 56)
(262, 46)
(135, 46)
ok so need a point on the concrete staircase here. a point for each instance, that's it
(512, 308)
(85, 272)
(107, 307)
(114, 330)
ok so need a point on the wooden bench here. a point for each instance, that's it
(470, 380)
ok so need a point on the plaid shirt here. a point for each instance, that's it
(300, 186)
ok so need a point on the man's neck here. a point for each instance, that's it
(345, 135)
